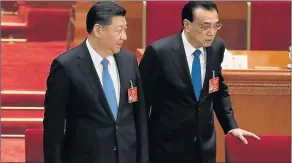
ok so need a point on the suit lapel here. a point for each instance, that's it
(182, 63)
(205, 89)
(122, 73)
(86, 65)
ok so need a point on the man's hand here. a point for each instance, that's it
(240, 134)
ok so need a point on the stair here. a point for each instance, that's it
(13, 29)
(22, 98)
(13, 24)
(9, 7)
(15, 120)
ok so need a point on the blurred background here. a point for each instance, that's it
(33, 33)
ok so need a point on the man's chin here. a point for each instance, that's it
(117, 50)
(207, 44)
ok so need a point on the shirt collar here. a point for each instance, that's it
(96, 57)
(188, 47)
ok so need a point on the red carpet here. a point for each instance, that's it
(22, 98)
(25, 66)
(22, 112)
(12, 150)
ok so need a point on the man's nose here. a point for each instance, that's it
(124, 36)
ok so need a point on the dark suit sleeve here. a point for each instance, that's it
(222, 104)
(141, 121)
(54, 115)
(149, 70)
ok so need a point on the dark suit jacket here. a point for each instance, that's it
(176, 117)
(75, 94)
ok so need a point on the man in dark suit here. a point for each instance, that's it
(95, 88)
(183, 83)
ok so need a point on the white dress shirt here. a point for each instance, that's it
(112, 68)
(189, 50)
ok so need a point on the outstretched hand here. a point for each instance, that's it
(241, 134)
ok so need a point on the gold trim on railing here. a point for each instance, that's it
(17, 92)
(13, 40)
(21, 119)
(144, 23)
(248, 26)
(12, 136)
(3, 12)
(71, 26)
(20, 108)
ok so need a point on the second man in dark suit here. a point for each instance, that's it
(183, 83)
(95, 87)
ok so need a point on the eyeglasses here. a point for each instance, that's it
(206, 27)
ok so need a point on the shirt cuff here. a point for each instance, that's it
(231, 130)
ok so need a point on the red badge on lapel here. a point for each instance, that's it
(214, 84)
(132, 93)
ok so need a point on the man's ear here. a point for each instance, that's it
(187, 25)
(97, 30)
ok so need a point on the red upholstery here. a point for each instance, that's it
(268, 149)
(47, 24)
(34, 145)
(163, 19)
(270, 25)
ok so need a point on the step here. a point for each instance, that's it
(13, 27)
(22, 98)
(13, 40)
(17, 126)
(15, 120)
(3, 12)
(12, 20)
(9, 6)
(22, 112)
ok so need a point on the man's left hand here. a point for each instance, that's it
(241, 134)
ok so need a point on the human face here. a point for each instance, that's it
(112, 37)
(202, 31)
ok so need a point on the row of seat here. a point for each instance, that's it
(268, 149)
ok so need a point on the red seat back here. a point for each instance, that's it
(268, 149)
(163, 19)
(270, 25)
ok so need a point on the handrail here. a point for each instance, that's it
(71, 26)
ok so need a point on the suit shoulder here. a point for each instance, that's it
(127, 53)
(164, 42)
(218, 41)
(67, 57)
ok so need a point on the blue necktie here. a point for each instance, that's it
(196, 74)
(108, 88)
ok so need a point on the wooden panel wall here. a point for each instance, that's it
(134, 19)
(50, 4)
(234, 18)
(81, 10)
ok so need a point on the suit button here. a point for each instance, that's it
(117, 127)
(115, 148)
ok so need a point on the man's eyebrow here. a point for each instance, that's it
(209, 23)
